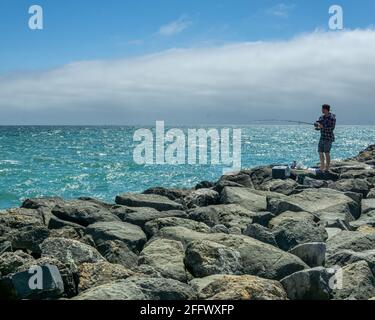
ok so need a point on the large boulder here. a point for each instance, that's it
(311, 284)
(259, 175)
(350, 240)
(357, 283)
(204, 258)
(21, 217)
(292, 216)
(140, 288)
(153, 226)
(69, 251)
(292, 233)
(286, 187)
(248, 198)
(230, 215)
(315, 201)
(83, 212)
(353, 185)
(117, 252)
(130, 234)
(313, 253)
(140, 216)
(36, 203)
(10, 261)
(202, 198)
(43, 282)
(95, 274)
(368, 205)
(257, 258)
(367, 219)
(371, 194)
(157, 202)
(260, 233)
(29, 238)
(239, 180)
(173, 194)
(346, 257)
(166, 257)
(233, 287)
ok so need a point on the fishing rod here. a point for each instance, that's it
(279, 120)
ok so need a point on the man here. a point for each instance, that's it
(326, 124)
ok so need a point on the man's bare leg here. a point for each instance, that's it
(322, 162)
(328, 161)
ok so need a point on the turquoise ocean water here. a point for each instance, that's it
(98, 161)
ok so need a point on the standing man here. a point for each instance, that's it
(326, 124)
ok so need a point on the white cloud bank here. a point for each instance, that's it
(230, 84)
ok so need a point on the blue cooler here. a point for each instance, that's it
(280, 172)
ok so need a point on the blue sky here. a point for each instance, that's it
(97, 29)
(207, 61)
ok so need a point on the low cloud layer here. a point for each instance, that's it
(232, 84)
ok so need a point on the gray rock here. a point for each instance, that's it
(66, 232)
(332, 232)
(313, 183)
(219, 228)
(365, 219)
(263, 218)
(5, 246)
(117, 252)
(25, 285)
(357, 283)
(67, 272)
(166, 257)
(368, 205)
(358, 174)
(234, 180)
(350, 240)
(313, 253)
(292, 233)
(286, 187)
(36, 203)
(260, 233)
(29, 238)
(346, 257)
(140, 288)
(56, 223)
(202, 198)
(231, 215)
(315, 201)
(238, 287)
(371, 194)
(157, 202)
(204, 258)
(291, 216)
(21, 217)
(257, 258)
(353, 185)
(152, 227)
(340, 220)
(245, 197)
(147, 270)
(259, 175)
(83, 212)
(173, 194)
(95, 274)
(311, 284)
(71, 252)
(140, 216)
(10, 261)
(131, 235)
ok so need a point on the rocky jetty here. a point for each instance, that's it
(247, 236)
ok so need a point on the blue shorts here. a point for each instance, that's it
(325, 146)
